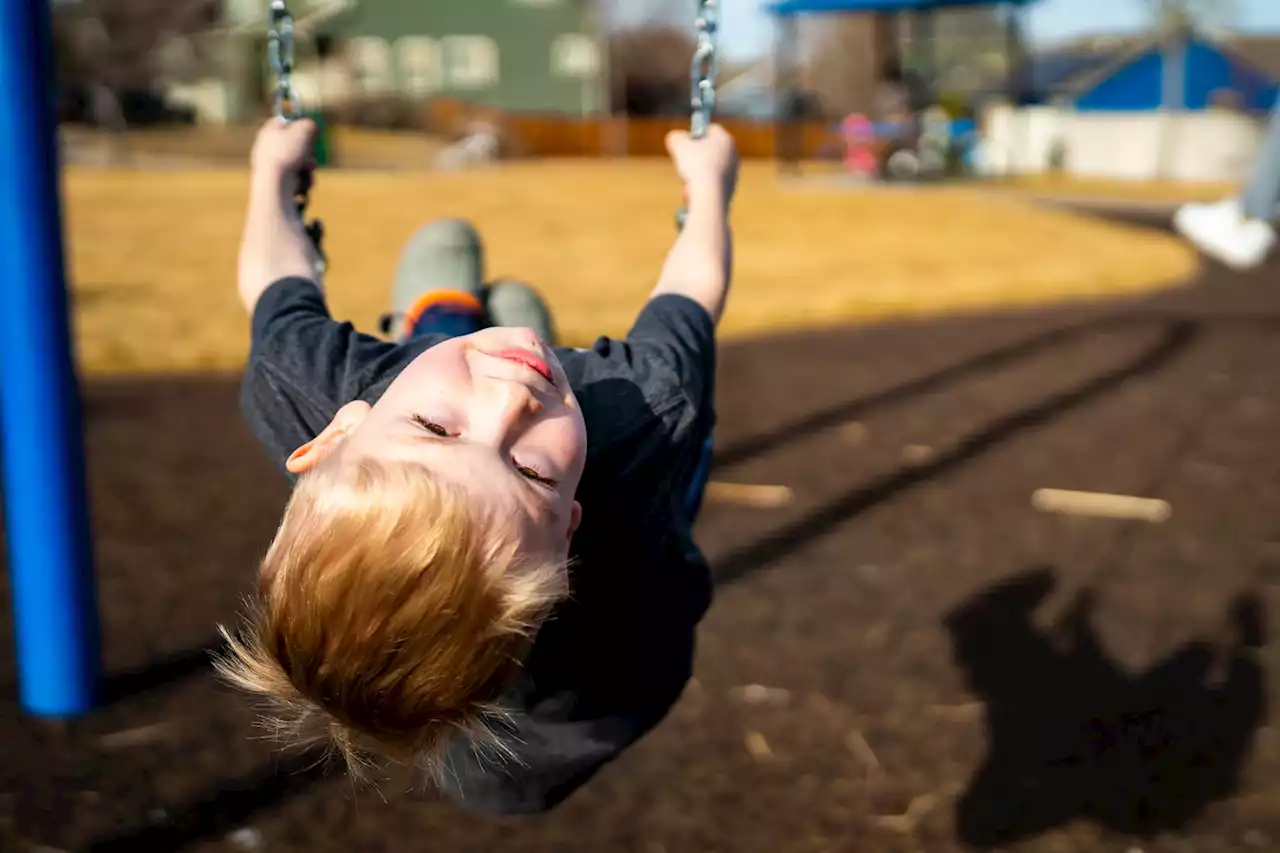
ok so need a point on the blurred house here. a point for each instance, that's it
(1134, 108)
(517, 55)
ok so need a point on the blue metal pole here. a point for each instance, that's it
(47, 525)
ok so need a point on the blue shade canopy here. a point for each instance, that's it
(787, 8)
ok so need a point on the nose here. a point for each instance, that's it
(509, 406)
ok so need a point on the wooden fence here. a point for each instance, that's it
(554, 136)
(537, 135)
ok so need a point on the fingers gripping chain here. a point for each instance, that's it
(287, 102)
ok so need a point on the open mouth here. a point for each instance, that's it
(529, 360)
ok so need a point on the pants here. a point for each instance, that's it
(1261, 196)
(439, 292)
(440, 284)
(456, 313)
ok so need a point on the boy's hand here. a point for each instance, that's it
(707, 164)
(285, 150)
(274, 244)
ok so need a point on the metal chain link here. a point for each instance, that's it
(705, 65)
(702, 77)
(280, 50)
(288, 103)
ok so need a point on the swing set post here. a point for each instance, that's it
(41, 441)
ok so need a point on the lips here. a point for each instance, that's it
(529, 360)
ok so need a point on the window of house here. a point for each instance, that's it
(420, 66)
(370, 59)
(471, 62)
(574, 55)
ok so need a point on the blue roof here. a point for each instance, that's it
(786, 8)
(1138, 83)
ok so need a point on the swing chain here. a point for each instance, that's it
(705, 64)
(702, 77)
(280, 50)
(288, 103)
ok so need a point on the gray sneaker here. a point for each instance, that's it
(446, 254)
(513, 303)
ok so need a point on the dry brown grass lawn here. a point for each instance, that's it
(1172, 192)
(153, 254)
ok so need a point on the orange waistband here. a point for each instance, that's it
(451, 298)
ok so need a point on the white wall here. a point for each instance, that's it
(1020, 141)
(1213, 146)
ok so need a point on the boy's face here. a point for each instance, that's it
(492, 412)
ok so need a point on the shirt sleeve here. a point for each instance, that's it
(303, 366)
(563, 741)
(551, 760)
(599, 678)
(682, 334)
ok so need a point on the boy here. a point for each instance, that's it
(486, 566)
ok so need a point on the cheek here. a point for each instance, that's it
(573, 431)
(436, 372)
(563, 439)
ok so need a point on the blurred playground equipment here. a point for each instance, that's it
(944, 147)
(911, 134)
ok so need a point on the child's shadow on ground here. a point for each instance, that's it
(1071, 734)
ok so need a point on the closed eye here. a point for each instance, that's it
(526, 471)
(430, 426)
(534, 475)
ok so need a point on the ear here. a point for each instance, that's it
(575, 518)
(318, 449)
